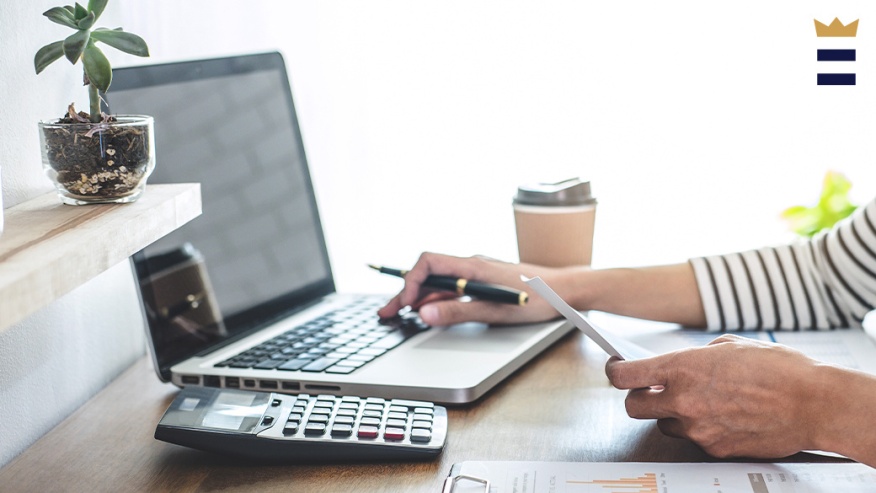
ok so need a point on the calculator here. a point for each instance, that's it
(303, 428)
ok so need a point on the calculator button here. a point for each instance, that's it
(346, 412)
(397, 415)
(344, 420)
(268, 421)
(375, 400)
(342, 430)
(367, 432)
(314, 429)
(420, 435)
(291, 428)
(348, 405)
(426, 425)
(350, 398)
(398, 409)
(422, 417)
(321, 410)
(370, 421)
(276, 402)
(318, 418)
(374, 407)
(394, 434)
(396, 423)
(423, 410)
(372, 414)
(295, 417)
(324, 404)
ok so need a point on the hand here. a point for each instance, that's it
(734, 397)
(445, 308)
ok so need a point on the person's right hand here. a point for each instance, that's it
(445, 308)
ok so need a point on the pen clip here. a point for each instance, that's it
(450, 483)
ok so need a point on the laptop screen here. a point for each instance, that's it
(257, 251)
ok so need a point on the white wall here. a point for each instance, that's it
(697, 123)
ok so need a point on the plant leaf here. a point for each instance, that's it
(87, 21)
(96, 7)
(75, 44)
(61, 16)
(79, 12)
(48, 54)
(97, 67)
(120, 40)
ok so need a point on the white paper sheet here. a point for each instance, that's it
(652, 477)
(610, 343)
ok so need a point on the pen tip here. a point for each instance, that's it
(374, 266)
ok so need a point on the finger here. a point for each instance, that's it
(727, 338)
(648, 403)
(433, 297)
(671, 427)
(430, 263)
(637, 374)
(454, 311)
(391, 308)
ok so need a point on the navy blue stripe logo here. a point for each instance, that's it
(836, 55)
(836, 79)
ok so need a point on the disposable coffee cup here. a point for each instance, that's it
(555, 223)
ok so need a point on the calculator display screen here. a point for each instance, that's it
(230, 411)
(223, 410)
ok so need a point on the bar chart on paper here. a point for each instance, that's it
(639, 477)
(646, 483)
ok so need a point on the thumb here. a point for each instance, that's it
(449, 312)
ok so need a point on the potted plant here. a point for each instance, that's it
(94, 157)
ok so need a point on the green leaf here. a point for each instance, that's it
(79, 12)
(97, 6)
(74, 45)
(97, 67)
(833, 206)
(48, 54)
(87, 21)
(120, 40)
(61, 16)
(70, 9)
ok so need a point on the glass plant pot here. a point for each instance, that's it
(93, 163)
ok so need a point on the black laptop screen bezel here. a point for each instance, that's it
(255, 317)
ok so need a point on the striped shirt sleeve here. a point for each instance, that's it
(824, 283)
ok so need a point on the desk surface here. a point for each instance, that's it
(559, 407)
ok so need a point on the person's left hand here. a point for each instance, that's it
(734, 397)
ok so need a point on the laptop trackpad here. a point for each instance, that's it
(478, 337)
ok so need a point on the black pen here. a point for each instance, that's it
(479, 290)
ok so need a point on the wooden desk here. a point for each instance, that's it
(560, 407)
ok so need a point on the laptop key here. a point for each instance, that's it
(342, 370)
(320, 364)
(294, 364)
(389, 341)
(269, 364)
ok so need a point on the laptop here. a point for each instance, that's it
(243, 296)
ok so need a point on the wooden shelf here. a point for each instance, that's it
(47, 248)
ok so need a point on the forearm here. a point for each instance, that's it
(666, 293)
(843, 413)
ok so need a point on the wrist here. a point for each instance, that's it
(840, 414)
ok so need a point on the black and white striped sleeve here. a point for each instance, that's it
(824, 283)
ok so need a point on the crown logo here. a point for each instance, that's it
(836, 29)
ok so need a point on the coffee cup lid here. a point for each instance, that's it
(567, 192)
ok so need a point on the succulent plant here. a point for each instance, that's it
(83, 45)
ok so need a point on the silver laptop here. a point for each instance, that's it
(243, 296)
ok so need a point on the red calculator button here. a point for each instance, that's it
(367, 432)
(394, 434)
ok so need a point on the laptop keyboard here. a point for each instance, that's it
(338, 342)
